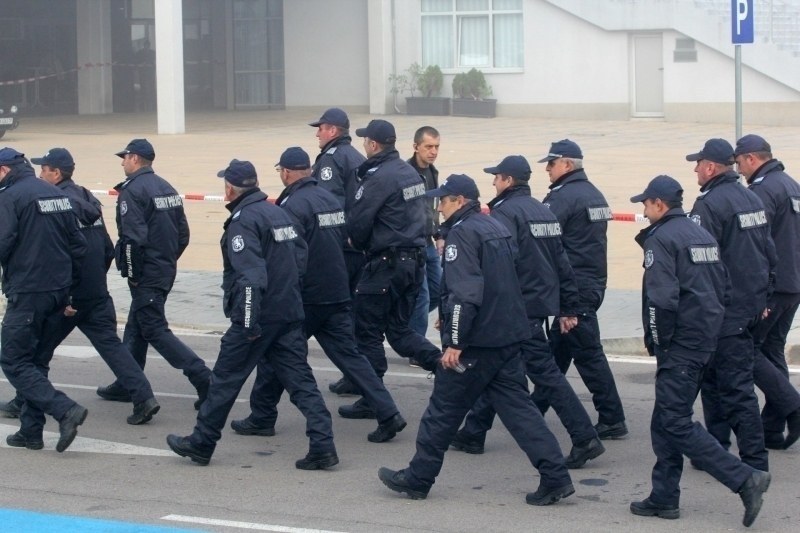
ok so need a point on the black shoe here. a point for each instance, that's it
(343, 387)
(143, 412)
(463, 443)
(18, 440)
(245, 426)
(696, 465)
(317, 461)
(183, 447)
(648, 508)
(11, 408)
(68, 426)
(580, 454)
(774, 440)
(793, 423)
(388, 429)
(202, 394)
(396, 480)
(360, 409)
(611, 431)
(413, 363)
(752, 495)
(114, 393)
(549, 495)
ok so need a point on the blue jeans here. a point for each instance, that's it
(428, 298)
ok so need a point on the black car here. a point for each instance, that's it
(8, 118)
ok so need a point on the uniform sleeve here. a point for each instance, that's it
(183, 232)
(569, 295)
(133, 234)
(368, 201)
(662, 294)
(708, 220)
(246, 256)
(8, 230)
(77, 247)
(464, 289)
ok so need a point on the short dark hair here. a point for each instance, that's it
(425, 130)
(66, 173)
(672, 204)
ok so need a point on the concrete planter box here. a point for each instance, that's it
(467, 107)
(434, 105)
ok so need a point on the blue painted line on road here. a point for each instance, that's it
(30, 522)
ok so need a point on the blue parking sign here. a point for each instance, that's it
(742, 21)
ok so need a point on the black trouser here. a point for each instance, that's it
(552, 385)
(386, 295)
(147, 325)
(729, 399)
(674, 434)
(27, 317)
(582, 345)
(286, 349)
(333, 328)
(498, 373)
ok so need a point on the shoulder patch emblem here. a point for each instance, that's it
(123, 207)
(360, 193)
(326, 174)
(695, 219)
(648, 258)
(237, 243)
(450, 253)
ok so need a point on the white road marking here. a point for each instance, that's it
(242, 525)
(87, 445)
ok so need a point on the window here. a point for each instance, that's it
(472, 33)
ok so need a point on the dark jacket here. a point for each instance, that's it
(152, 228)
(41, 246)
(263, 261)
(100, 251)
(545, 276)
(583, 214)
(781, 196)
(389, 206)
(685, 281)
(481, 299)
(320, 221)
(737, 219)
(431, 182)
(335, 168)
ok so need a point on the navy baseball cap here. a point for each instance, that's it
(562, 148)
(141, 147)
(716, 150)
(379, 131)
(239, 173)
(663, 187)
(56, 158)
(294, 158)
(456, 185)
(751, 143)
(515, 166)
(333, 116)
(9, 156)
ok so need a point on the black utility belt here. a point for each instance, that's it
(399, 253)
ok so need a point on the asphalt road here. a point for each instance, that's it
(124, 473)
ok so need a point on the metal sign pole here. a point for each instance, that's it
(738, 60)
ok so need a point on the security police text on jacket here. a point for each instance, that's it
(41, 247)
(256, 234)
(334, 167)
(737, 219)
(152, 226)
(432, 215)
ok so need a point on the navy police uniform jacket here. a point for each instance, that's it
(41, 246)
(335, 168)
(432, 215)
(481, 299)
(388, 209)
(781, 196)
(263, 260)
(737, 219)
(685, 284)
(152, 227)
(320, 221)
(545, 275)
(583, 213)
(100, 254)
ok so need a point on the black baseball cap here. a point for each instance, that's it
(663, 187)
(9, 156)
(141, 147)
(379, 131)
(56, 158)
(456, 185)
(294, 158)
(239, 173)
(333, 116)
(515, 166)
(563, 148)
(716, 150)
(751, 143)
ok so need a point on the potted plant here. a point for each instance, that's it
(470, 92)
(428, 82)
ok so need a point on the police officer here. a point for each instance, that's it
(320, 221)
(387, 221)
(583, 214)
(92, 309)
(548, 289)
(683, 297)
(335, 169)
(40, 253)
(426, 149)
(766, 176)
(737, 220)
(153, 233)
(263, 258)
(481, 331)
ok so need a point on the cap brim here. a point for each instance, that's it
(316, 124)
(695, 157)
(492, 170)
(38, 160)
(547, 158)
(639, 198)
(361, 132)
(437, 193)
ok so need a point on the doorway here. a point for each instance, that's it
(648, 75)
